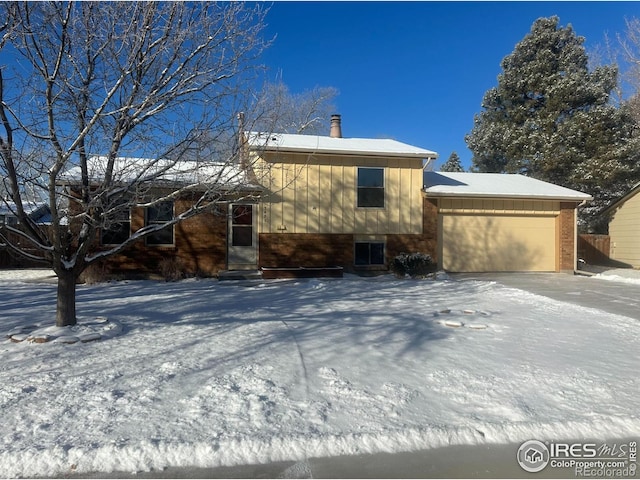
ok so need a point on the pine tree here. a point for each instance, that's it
(551, 118)
(452, 164)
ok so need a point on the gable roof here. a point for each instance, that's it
(380, 147)
(485, 185)
(634, 190)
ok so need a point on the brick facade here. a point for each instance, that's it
(567, 234)
(305, 250)
(200, 246)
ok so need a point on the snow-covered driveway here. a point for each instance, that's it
(615, 291)
(209, 373)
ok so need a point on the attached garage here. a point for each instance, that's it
(492, 243)
(498, 222)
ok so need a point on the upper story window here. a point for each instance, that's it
(370, 187)
(159, 214)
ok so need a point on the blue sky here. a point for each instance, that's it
(416, 71)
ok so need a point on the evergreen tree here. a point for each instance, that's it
(452, 164)
(551, 118)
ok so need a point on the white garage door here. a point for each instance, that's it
(492, 243)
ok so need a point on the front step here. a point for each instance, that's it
(240, 275)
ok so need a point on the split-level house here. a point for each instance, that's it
(333, 201)
(355, 203)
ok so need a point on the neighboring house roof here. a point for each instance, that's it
(163, 172)
(38, 211)
(485, 185)
(634, 190)
(286, 142)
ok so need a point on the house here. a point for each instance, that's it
(329, 200)
(624, 228)
(355, 203)
(502, 222)
(163, 190)
(37, 211)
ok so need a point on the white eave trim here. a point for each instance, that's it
(518, 196)
(319, 145)
(361, 153)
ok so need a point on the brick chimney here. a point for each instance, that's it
(336, 127)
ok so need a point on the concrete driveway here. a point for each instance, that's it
(589, 291)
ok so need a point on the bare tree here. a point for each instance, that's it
(97, 85)
(630, 57)
(307, 113)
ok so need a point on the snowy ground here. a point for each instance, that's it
(624, 275)
(206, 373)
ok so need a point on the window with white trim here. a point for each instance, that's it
(370, 187)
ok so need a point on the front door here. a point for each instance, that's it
(243, 239)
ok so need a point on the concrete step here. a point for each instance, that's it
(240, 275)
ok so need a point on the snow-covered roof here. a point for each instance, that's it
(37, 210)
(465, 184)
(183, 172)
(286, 142)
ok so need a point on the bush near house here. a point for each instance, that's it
(414, 265)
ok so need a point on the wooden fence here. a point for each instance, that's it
(9, 259)
(594, 249)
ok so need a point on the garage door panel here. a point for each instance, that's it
(488, 243)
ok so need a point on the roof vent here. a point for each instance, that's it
(336, 126)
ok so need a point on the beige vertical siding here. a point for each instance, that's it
(318, 194)
(624, 230)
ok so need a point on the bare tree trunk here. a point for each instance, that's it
(66, 300)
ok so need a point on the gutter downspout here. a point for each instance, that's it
(428, 165)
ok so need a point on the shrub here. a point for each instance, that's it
(172, 269)
(414, 265)
(96, 273)
(100, 273)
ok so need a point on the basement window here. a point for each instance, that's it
(369, 253)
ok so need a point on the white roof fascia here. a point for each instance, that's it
(285, 142)
(496, 185)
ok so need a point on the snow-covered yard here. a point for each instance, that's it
(206, 373)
